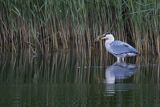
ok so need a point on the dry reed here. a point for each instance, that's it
(47, 25)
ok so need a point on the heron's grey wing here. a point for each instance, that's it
(119, 47)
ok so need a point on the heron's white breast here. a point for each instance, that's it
(108, 46)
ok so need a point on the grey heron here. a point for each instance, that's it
(118, 48)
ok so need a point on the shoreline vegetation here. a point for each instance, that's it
(43, 26)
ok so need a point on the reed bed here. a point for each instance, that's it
(43, 26)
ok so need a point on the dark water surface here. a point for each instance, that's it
(75, 80)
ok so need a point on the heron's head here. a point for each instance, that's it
(108, 36)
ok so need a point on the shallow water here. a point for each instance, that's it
(71, 80)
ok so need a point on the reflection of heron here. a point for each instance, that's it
(118, 48)
(118, 71)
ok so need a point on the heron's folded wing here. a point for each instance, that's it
(119, 47)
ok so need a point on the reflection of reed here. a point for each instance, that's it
(62, 79)
(42, 27)
(64, 67)
(58, 68)
(73, 79)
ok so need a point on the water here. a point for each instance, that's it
(67, 79)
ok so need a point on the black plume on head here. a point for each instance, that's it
(107, 33)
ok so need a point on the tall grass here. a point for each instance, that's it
(43, 26)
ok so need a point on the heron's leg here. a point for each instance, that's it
(118, 59)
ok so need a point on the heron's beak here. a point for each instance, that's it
(100, 37)
(104, 38)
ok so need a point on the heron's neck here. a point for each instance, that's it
(109, 41)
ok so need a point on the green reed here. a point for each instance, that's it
(43, 26)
